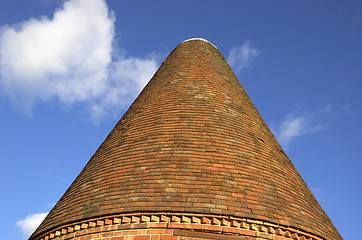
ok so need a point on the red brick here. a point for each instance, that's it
(194, 226)
(158, 225)
(140, 225)
(95, 230)
(155, 231)
(212, 228)
(168, 237)
(124, 226)
(279, 237)
(107, 234)
(230, 230)
(264, 235)
(176, 225)
(237, 195)
(205, 220)
(108, 221)
(142, 237)
(130, 232)
(246, 232)
(89, 237)
(169, 231)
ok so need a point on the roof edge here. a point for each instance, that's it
(199, 39)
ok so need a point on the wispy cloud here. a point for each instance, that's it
(127, 77)
(70, 58)
(242, 56)
(346, 108)
(301, 122)
(356, 24)
(318, 193)
(28, 225)
(324, 194)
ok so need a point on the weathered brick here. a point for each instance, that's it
(212, 228)
(230, 230)
(145, 237)
(158, 225)
(155, 231)
(130, 232)
(247, 232)
(194, 226)
(118, 238)
(168, 237)
(176, 225)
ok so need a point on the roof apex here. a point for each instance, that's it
(199, 39)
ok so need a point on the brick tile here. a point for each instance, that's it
(144, 237)
(247, 232)
(158, 225)
(212, 228)
(168, 237)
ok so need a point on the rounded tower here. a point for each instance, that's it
(191, 159)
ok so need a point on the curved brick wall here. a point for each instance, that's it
(192, 143)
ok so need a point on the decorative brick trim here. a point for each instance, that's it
(206, 223)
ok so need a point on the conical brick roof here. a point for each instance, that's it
(192, 144)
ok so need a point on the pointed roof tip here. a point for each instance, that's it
(199, 39)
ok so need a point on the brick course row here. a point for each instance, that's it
(159, 225)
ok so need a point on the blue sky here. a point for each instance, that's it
(70, 69)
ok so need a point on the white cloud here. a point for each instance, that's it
(28, 225)
(65, 57)
(298, 123)
(346, 108)
(127, 78)
(68, 58)
(318, 193)
(242, 56)
(290, 128)
(324, 194)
